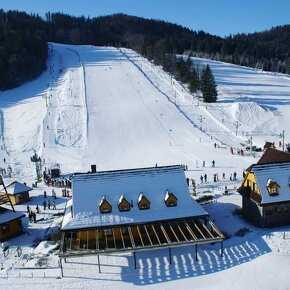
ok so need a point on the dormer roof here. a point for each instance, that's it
(87, 188)
(269, 176)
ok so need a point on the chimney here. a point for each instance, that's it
(93, 168)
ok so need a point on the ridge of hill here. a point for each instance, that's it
(23, 48)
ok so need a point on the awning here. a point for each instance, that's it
(137, 237)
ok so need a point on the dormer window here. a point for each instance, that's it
(170, 199)
(143, 202)
(105, 206)
(124, 204)
(272, 187)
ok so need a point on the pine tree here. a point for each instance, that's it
(194, 82)
(208, 86)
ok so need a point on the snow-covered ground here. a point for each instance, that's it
(113, 108)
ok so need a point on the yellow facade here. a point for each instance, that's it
(171, 200)
(10, 229)
(273, 189)
(144, 203)
(124, 205)
(87, 238)
(250, 180)
(105, 207)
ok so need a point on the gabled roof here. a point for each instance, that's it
(278, 172)
(142, 196)
(272, 155)
(7, 215)
(17, 187)
(271, 182)
(88, 189)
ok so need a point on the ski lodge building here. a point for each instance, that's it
(18, 192)
(266, 190)
(131, 210)
(10, 221)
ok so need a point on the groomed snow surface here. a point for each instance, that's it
(111, 107)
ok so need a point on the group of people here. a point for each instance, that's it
(47, 203)
(57, 182)
(65, 192)
(203, 163)
(204, 178)
(32, 214)
(239, 151)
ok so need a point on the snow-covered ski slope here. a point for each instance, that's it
(113, 108)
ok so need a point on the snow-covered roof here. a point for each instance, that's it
(279, 173)
(17, 187)
(9, 215)
(88, 190)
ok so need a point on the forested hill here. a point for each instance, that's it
(23, 42)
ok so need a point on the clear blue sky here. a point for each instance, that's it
(220, 17)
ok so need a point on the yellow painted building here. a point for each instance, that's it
(17, 192)
(10, 224)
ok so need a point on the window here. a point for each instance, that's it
(254, 186)
(272, 187)
(143, 202)
(170, 199)
(249, 182)
(123, 204)
(124, 230)
(273, 191)
(105, 206)
(5, 228)
(108, 232)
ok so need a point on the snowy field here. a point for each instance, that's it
(111, 107)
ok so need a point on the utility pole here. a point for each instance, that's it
(282, 135)
(200, 119)
(237, 126)
(251, 145)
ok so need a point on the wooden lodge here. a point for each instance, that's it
(10, 224)
(18, 192)
(10, 221)
(265, 190)
(132, 210)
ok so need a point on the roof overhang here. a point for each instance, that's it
(141, 237)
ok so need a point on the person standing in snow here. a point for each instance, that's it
(37, 209)
(213, 163)
(201, 179)
(203, 163)
(224, 175)
(53, 205)
(214, 145)
(53, 193)
(205, 178)
(44, 194)
(231, 178)
(235, 175)
(187, 181)
(232, 150)
(48, 204)
(44, 205)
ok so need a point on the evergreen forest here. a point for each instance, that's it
(24, 44)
